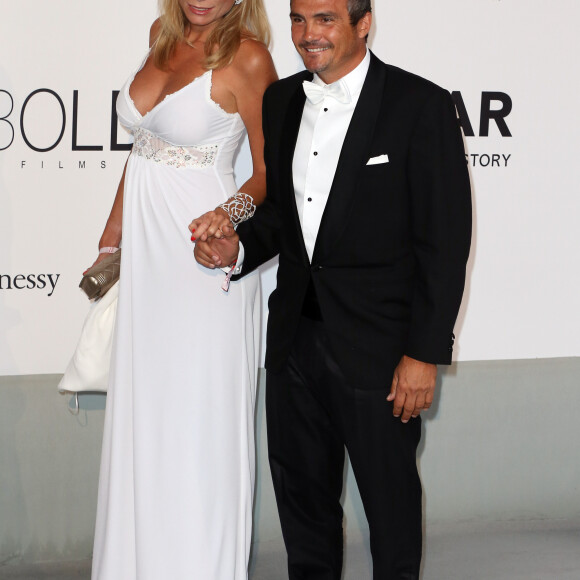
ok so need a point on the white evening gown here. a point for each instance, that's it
(177, 467)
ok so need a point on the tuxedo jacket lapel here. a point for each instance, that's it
(353, 156)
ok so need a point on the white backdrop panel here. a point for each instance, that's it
(521, 299)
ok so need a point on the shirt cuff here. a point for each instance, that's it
(239, 262)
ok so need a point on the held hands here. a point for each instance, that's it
(217, 245)
(412, 388)
(212, 224)
(218, 253)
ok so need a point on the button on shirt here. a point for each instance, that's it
(320, 139)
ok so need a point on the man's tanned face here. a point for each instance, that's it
(325, 39)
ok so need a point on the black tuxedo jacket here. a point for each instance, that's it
(389, 261)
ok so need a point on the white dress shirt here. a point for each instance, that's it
(320, 139)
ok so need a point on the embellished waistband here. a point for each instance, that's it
(153, 148)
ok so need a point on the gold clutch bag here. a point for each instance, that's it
(99, 279)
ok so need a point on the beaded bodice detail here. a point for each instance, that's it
(153, 148)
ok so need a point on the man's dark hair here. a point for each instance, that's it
(357, 9)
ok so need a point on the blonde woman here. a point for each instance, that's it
(177, 468)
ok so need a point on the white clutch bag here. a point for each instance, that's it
(88, 369)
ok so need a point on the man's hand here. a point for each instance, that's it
(218, 253)
(412, 388)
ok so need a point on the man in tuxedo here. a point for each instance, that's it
(369, 210)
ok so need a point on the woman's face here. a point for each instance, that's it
(201, 13)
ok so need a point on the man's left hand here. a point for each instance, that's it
(412, 388)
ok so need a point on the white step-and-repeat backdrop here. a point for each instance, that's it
(513, 71)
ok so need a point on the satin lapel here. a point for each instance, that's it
(353, 157)
(287, 147)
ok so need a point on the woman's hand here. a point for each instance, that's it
(213, 224)
(112, 235)
(100, 258)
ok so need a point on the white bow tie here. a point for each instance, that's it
(316, 94)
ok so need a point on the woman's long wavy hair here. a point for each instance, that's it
(245, 20)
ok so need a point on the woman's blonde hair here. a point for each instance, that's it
(245, 20)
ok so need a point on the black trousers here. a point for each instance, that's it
(313, 413)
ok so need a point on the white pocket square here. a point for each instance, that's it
(380, 159)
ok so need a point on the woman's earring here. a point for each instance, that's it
(238, 1)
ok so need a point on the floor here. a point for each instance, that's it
(500, 551)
